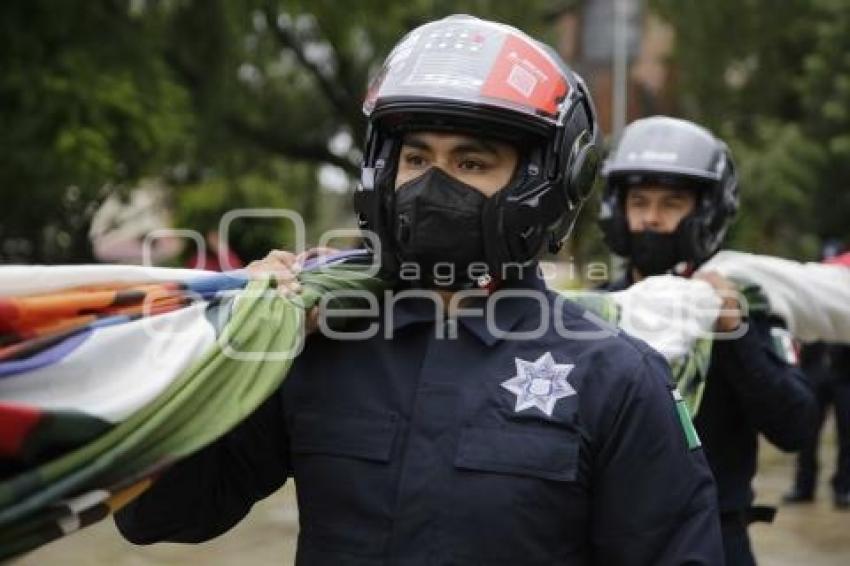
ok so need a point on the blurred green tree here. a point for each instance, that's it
(284, 80)
(773, 79)
(233, 104)
(87, 105)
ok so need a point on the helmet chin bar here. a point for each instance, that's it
(555, 243)
(546, 212)
(374, 198)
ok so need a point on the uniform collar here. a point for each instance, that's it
(409, 308)
(506, 309)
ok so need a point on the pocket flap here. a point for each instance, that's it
(366, 437)
(546, 455)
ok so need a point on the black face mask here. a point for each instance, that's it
(653, 253)
(438, 231)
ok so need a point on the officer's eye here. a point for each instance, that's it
(414, 160)
(472, 165)
(675, 203)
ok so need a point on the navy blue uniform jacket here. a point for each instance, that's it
(411, 450)
(749, 390)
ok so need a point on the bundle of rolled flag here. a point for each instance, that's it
(109, 374)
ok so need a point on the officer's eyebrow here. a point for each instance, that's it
(415, 142)
(476, 145)
(467, 145)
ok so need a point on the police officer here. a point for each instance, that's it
(828, 368)
(503, 429)
(671, 192)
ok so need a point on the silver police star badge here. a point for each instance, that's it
(540, 384)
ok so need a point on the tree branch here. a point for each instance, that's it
(353, 84)
(185, 74)
(314, 151)
(335, 95)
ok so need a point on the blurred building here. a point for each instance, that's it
(121, 224)
(587, 32)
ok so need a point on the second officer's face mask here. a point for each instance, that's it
(654, 253)
(655, 215)
(438, 230)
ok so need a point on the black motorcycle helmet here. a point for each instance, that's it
(677, 153)
(482, 78)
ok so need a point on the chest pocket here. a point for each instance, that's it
(344, 477)
(551, 455)
(517, 491)
(362, 437)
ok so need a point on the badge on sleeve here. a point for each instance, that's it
(691, 435)
(785, 345)
(539, 383)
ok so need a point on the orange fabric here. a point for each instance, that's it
(47, 312)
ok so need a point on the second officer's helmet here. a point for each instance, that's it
(676, 153)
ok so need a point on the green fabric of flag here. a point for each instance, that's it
(248, 363)
(261, 332)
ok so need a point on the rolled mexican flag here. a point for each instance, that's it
(106, 403)
(109, 374)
